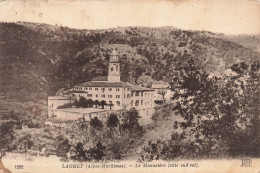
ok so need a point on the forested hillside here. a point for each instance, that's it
(214, 111)
(37, 60)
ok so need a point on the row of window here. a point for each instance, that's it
(102, 89)
(137, 103)
(104, 96)
(142, 94)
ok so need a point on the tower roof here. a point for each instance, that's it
(114, 52)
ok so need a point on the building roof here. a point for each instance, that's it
(58, 98)
(138, 88)
(160, 86)
(100, 78)
(104, 84)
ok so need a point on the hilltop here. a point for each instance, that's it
(39, 59)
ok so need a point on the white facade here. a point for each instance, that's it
(142, 99)
(109, 89)
(118, 96)
(54, 102)
(160, 88)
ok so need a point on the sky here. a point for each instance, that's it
(220, 16)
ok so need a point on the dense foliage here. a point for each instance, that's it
(48, 58)
(221, 115)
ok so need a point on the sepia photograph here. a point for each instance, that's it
(129, 86)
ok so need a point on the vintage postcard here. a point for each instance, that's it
(129, 86)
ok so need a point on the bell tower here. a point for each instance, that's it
(114, 67)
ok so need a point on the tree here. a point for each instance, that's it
(71, 97)
(96, 102)
(103, 103)
(6, 137)
(89, 103)
(110, 104)
(26, 142)
(79, 152)
(97, 152)
(81, 103)
(224, 109)
(112, 121)
(162, 92)
(131, 124)
(96, 123)
(63, 148)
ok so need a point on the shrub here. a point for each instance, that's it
(66, 105)
(112, 121)
(96, 123)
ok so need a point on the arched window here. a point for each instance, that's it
(111, 68)
(117, 103)
(137, 103)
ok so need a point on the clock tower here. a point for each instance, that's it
(114, 67)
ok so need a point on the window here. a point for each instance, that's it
(142, 94)
(96, 89)
(96, 95)
(103, 89)
(128, 95)
(141, 102)
(128, 89)
(137, 103)
(137, 93)
(109, 96)
(117, 89)
(86, 88)
(117, 96)
(133, 94)
(103, 95)
(109, 89)
(89, 95)
(90, 88)
(117, 103)
(124, 89)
